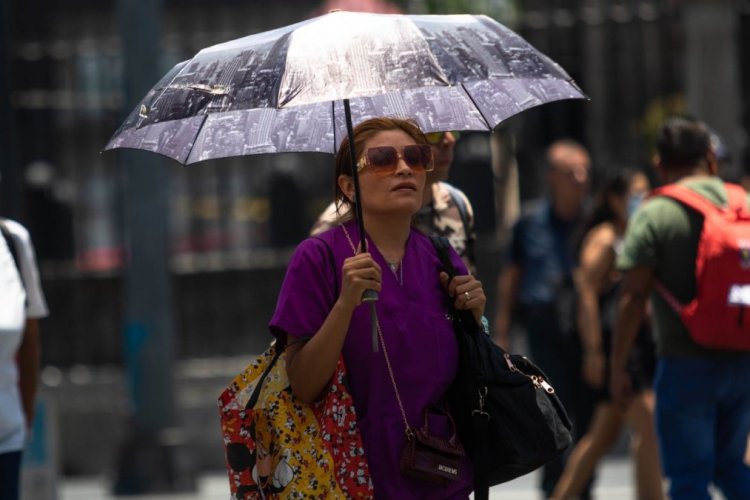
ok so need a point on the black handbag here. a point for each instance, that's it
(507, 414)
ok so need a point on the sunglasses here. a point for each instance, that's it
(436, 138)
(384, 160)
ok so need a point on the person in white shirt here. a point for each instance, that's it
(22, 303)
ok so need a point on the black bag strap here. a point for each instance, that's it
(480, 425)
(10, 241)
(442, 246)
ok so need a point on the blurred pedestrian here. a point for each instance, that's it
(702, 394)
(21, 305)
(597, 284)
(320, 315)
(538, 276)
(446, 211)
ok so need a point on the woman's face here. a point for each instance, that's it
(625, 205)
(637, 191)
(399, 192)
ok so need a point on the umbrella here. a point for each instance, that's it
(303, 86)
(284, 90)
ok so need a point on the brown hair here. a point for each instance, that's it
(363, 132)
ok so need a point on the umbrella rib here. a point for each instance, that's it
(333, 121)
(195, 139)
(476, 106)
(164, 89)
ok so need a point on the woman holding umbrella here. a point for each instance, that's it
(400, 386)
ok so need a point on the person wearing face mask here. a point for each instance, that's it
(597, 283)
(446, 210)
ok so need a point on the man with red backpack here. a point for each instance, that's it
(688, 249)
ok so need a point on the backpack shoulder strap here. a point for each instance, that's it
(11, 242)
(687, 197)
(737, 199)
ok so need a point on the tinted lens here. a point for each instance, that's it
(418, 156)
(382, 159)
(434, 137)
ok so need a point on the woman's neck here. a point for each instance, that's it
(427, 194)
(389, 234)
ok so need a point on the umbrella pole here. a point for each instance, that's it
(355, 175)
(370, 295)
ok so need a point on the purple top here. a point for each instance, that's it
(418, 335)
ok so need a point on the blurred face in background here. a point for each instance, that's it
(639, 187)
(442, 151)
(625, 204)
(568, 173)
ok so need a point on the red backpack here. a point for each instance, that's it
(716, 317)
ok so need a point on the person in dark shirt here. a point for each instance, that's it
(538, 278)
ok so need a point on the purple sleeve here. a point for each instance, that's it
(307, 293)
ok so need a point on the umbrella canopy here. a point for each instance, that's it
(283, 90)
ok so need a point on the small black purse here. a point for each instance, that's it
(431, 457)
(507, 414)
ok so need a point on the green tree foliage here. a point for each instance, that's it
(505, 11)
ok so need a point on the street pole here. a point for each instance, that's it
(153, 457)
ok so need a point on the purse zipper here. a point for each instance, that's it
(537, 380)
(480, 412)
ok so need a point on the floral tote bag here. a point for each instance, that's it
(279, 447)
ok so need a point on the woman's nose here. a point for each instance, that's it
(402, 168)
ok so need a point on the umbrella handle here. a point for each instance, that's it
(355, 176)
(370, 296)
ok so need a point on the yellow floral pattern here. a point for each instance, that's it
(279, 447)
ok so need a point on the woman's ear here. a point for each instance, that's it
(712, 162)
(346, 184)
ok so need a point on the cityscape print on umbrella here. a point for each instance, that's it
(282, 90)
